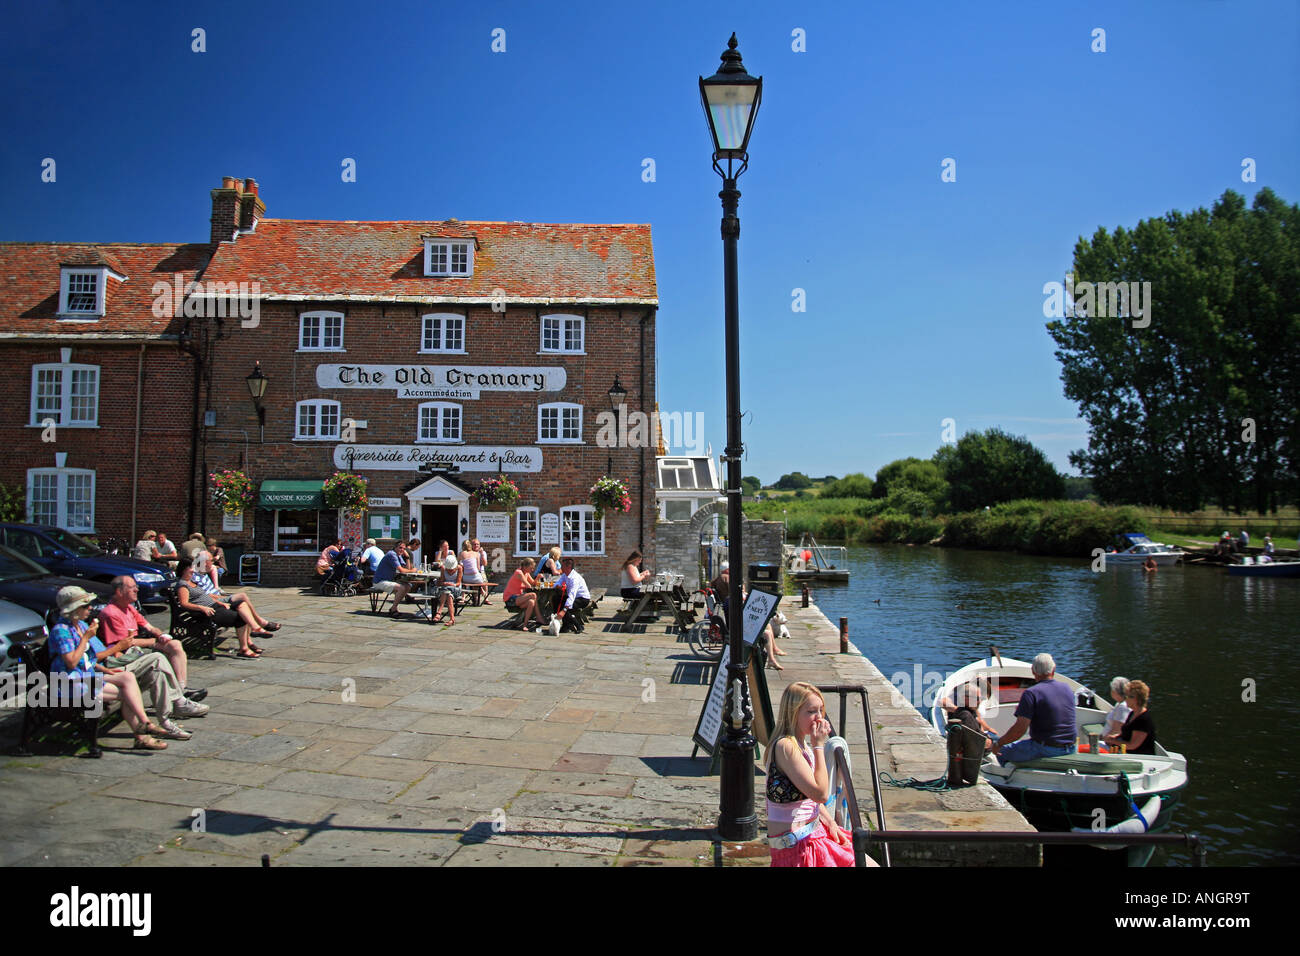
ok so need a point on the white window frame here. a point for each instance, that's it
(322, 330)
(446, 252)
(63, 419)
(585, 516)
(318, 405)
(438, 408)
(63, 518)
(65, 281)
(441, 345)
(560, 408)
(535, 515)
(564, 322)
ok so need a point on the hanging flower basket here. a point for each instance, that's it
(610, 494)
(345, 490)
(232, 491)
(497, 492)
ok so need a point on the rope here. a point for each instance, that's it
(937, 785)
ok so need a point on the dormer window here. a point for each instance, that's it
(81, 293)
(449, 257)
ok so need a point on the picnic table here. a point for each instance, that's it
(663, 592)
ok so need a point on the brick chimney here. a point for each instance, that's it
(225, 210)
(251, 208)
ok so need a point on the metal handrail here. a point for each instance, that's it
(863, 837)
(844, 690)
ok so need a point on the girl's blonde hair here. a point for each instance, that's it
(554, 553)
(787, 714)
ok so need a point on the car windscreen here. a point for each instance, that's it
(15, 567)
(78, 546)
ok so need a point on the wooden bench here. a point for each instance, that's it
(589, 612)
(38, 714)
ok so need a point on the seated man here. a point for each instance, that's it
(120, 622)
(576, 597)
(395, 562)
(165, 550)
(192, 546)
(1046, 710)
(370, 558)
(153, 674)
(967, 708)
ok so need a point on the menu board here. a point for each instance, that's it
(759, 608)
(550, 525)
(493, 527)
(708, 731)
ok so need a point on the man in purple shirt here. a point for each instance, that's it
(1046, 710)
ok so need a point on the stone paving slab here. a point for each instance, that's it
(359, 741)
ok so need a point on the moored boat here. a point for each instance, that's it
(1081, 790)
(1254, 568)
(811, 561)
(1141, 549)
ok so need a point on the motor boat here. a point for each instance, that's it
(1141, 548)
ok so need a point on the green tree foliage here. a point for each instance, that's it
(1204, 403)
(856, 485)
(985, 468)
(751, 485)
(13, 503)
(913, 475)
(888, 473)
(793, 482)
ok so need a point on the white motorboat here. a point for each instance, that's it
(1081, 790)
(1142, 548)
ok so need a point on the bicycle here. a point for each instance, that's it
(708, 636)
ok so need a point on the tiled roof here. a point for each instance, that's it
(534, 262)
(29, 285)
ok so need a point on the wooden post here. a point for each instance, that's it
(844, 635)
(805, 596)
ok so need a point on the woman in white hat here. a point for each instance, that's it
(69, 654)
(449, 591)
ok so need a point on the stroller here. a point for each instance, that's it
(342, 577)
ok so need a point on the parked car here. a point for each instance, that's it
(63, 552)
(18, 625)
(25, 582)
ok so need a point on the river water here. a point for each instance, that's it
(1206, 643)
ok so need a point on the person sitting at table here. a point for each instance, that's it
(218, 557)
(395, 562)
(164, 550)
(633, 577)
(518, 597)
(449, 590)
(145, 548)
(471, 573)
(551, 563)
(412, 546)
(444, 549)
(577, 597)
(370, 558)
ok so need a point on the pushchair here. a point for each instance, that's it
(342, 577)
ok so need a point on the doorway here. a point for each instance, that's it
(438, 523)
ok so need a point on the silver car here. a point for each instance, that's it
(18, 626)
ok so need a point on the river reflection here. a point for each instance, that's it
(1204, 641)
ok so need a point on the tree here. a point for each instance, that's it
(916, 476)
(13, 503)
(751, 485)
(1202, 404)
(986, 468)
(794, 481)
(888, 473)
(856, 485)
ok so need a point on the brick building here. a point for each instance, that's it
(471, 348)
(391, 345)
(96, 422)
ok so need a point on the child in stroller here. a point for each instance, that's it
(342, 577)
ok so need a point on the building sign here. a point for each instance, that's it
(408, 380)
(493, 527)
(379, 503)
(515, 459)
(231, 522)
(550, 529)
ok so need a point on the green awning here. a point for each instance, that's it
(294, 495)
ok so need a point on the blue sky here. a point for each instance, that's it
(923, 298)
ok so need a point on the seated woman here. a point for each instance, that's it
(519, 599)
(471, 573)
(69, 643)
(191, 596)
(327, 557)
(239, 602)
(800, 830)
(633, 576)
(551, 563)
(1139, 731)
(449, 590)
(1119, 713)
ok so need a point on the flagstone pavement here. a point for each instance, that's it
(358, 741)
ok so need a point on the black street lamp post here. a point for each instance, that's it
(731, 98)
(617, 396)
(257, 383)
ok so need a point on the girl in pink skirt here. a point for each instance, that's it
(800, 831)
